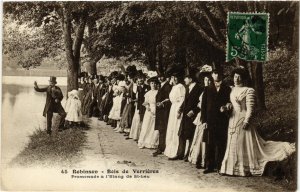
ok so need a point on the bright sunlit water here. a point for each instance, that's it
(22, 111)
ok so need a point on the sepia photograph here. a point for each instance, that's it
(149, 96)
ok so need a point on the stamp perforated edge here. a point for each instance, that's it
(248, 13)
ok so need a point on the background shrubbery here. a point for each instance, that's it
(279, 121)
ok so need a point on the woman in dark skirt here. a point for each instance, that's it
(108, 97)
(87, 100)
(129, 108)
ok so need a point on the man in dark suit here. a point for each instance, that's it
(93, 110)
(108, 96)
(213, 115)
(142, 89)
(162, 112)
(188, 110)
(101, 89)
(53, 103)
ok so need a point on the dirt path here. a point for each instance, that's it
(108, 150)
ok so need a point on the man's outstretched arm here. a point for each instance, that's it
(36, 88)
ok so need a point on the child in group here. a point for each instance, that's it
(73, 108)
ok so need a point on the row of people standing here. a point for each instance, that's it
(195, 117)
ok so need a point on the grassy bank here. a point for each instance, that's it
(60, 149)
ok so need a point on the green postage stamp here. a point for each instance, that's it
(247, 36)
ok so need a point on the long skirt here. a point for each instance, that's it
(135, 126)
(172, 138)
(148, 137)
(247, 153)
(197, 151)
(127, 116)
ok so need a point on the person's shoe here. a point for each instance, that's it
(173, 158)
(206, 171)
(186, 159)
(100, 119)
(49, 132)
(199, 167)
(127, 138)
(156, 153)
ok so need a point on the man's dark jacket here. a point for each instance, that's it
(187, 127)
(162, 113)
(51, 105)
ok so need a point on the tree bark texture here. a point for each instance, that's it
(72, 50)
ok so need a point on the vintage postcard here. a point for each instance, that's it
(149, 95)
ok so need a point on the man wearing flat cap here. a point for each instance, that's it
(53, 103)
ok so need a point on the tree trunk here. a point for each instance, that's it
(295, 39)
(258, 84)
(73, 56)
(93, 67)
(159, 59)
(66, 23)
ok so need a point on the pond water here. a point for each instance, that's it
(22, 111)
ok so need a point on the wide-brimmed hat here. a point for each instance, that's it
(140, 74)
(191, 73)
(53, 79)
(175, 70)
(204, 71)
(101, 78)
(113, 74)
(83, 74)
(151, 74)
(131, 71)
(153, 79)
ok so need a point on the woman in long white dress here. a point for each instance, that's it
(135, 129)
(197, 151)
(149, 136)
(247, 153)
(176, 96)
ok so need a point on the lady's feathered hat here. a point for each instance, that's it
(205, 71)
(151, 74)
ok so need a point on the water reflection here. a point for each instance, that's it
(22, 110)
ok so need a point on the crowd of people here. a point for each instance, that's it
(185, 115)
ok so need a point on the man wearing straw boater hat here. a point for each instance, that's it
(53, 103)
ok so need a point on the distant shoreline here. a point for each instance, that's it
(35, 72)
